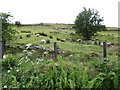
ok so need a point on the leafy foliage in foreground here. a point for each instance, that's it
(8, 33)
(23, 72)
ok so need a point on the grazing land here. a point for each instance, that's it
(30, 63)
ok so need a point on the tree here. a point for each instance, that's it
(88, 22)
(17, 23)
(8, 33)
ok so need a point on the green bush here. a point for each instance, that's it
(30, 72)
(104, 80)
(9, 62)
(106, 66)
(47, 41)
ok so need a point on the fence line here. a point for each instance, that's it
(104, 51)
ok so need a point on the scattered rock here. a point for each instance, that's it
(79, 40)
(63, 40)
(43, 41)
(24, 31)
(28, 35)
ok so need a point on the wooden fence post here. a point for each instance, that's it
(55, 51)
(1, 54)
(104, 50)
(1, 48)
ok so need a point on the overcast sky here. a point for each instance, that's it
(59, 11)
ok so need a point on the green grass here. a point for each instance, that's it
(22, 72)
(111, 33)
(73, 47)
(112, 28)
(85, 68)
(37, 29)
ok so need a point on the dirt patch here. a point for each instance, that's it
(113, 47)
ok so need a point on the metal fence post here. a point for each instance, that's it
(1, 54)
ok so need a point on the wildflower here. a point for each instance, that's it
(24, 51)
(26, 57)
(37, 58)
(19, 64)
(71, 55)
(11, 68)
(51, 48)
(8, 71)
(5, 86)
(37, 62)
(17, 70)
(29, 53)
(32, 63)
(63, 51)
(27, 60)
(45, 52)
(33, 50)
(20, 60)
(40, 60)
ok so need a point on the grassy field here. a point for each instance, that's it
(112, 28)
(108, 36)
(73, 47)
(103, 35)
(79, 64)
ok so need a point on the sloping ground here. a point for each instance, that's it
(79, 63)
(73, 47)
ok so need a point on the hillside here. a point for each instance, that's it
(58, 32)
(30, 60)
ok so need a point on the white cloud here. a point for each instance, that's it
(59, 11)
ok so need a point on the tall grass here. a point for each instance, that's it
(60, 74)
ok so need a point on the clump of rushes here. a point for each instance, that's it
(58, 39)
(47, 41)
(51, 37)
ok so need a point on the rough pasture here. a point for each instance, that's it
(73, 43)
(81, 58)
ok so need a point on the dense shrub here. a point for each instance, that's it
(47, 41)
(58, 39)
(106, 66)
(105, 81)
(28, 35)
(9, 62)
(51, 37)
(29, 72)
